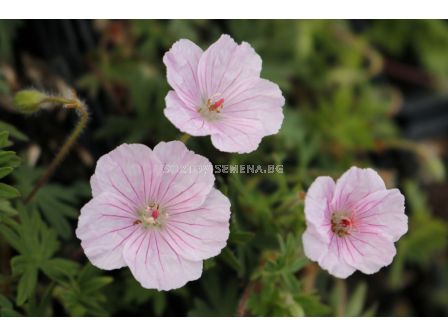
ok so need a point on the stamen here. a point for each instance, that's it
(152, 216)
(346, 222)
(341, 224)
(216, 105)
(211, 108)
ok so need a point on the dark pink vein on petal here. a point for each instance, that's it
(115, 216)
(192, 224)
(183, 191)
(124, 239)
(132, 187)
(116, 230)
(118, 190)
(187, 211)
(158, 253)
(348, 249)
(147, 249)
(185, 242)
(354, 246)
(120, 208)
(184, 201)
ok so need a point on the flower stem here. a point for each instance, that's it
(83, 114)
(184, 138)
(241, 310)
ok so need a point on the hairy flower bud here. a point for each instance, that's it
(29, 101)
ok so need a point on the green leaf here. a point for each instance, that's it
(216, 302)
(241, 237)
(82, 295)
(58, 268)
(13, 131)
(8, 161)
(6, 312)
(6, 308)
(4, 171)
(27, 284)
(19, 264)
(357, 300)
(58, 204)
(8, 192)
(36, 244)
(11, 237)
(230, 259)
(4, 302)
(4, 139)
(95, 284)
(7, 209)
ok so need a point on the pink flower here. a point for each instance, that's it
(219, 93)
(352, 224)
(155, 211)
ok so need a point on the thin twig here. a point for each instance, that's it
(73, 104)
(251, 286)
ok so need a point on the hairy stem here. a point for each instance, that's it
(73, 104)
(184, 138)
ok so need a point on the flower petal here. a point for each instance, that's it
(225, 63)
(203, 232)
(370, 253)
(382, 211)
(329, 251)
(314, 245)
(237, 135)
(354, 185)
(259, 98)
(182, 66)
(105, 223)
(187, 179)
(317, 204)
(186, 119)
(155, 264)
(132, 171)
(335, 260)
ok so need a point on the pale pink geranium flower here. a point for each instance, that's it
(352, 224)
(219, 92)
(155, 211)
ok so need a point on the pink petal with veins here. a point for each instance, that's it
(219, 93)
(155, 211)
(352, 224)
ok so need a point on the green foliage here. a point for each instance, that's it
(136, 296)
(6, 308)
(427, 236)
(56, 203)
(8, 161)
(216, 302)
(12, 131)
(353, 305)
(36, 245)
(82, 295)
(343, 117)
(427, 39)
(278, 289)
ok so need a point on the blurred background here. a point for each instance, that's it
(367, 93)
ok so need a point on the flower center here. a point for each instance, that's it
(152, 216)
(341, 224)
(211, 109)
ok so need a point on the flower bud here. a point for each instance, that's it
(29, 101)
